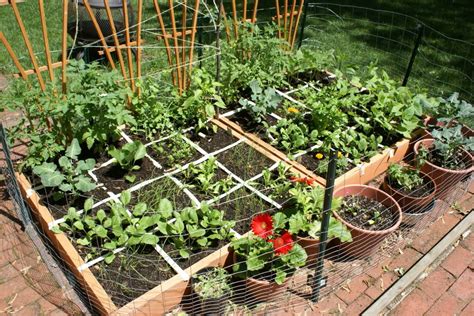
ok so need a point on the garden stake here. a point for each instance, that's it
(28, 44)
(244, 13)
(290, 36)
(285, 18)
(116, 41)
(328, 192)
(44, 30)
(99, 32)
(193, 37)
(127, 42)
(64, 48)
(234, 14)
(226, 24)
(278, 17)
(419, 30)
(165, 38)
(298, 16)
(183, 44)
(176, 48)
(303, 23)
(13, 56)
(218, 48)
(255, 8)
(139, 42)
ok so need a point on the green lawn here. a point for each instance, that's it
(357, 36)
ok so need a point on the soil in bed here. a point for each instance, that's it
(173, 152)
(213, 141)
(244, 120)
(195, 256)
(161, 189)
(112, 176)
(420, 191)
(366, 213)
(244, 161)
(132, 274)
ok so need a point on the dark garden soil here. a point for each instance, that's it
(197, 255)
(112, 176)
(173, 152)
(132, 274)
(241, 206)
(457, 162)
(359, 210)
(244, 120)
(319, 166)
(214, 141)
(309, 76)
(244, 161)
(420, 191)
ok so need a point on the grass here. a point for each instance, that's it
(357, 36)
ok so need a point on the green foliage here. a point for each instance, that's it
(212, 284)
(128, 156)
(276, 183)
(203, 178)
(173, 150)
(71, 175)
(404, 177)
(449, 109)
(304, 216)
(192, 228)
(263, 102)
(290, 135)
(255, 255)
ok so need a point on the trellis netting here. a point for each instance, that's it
(157, 232)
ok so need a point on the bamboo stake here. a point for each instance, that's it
(116, 41)
(176, 52)
(255, 8)
(193, 36)
(139, 49)
(278, 17)
(28, 44)
(44, 29)
(127, 42)
(64, 48)
(226, 23)
(244, 14)
(99, 32)
(290, 35)
(163, 30)
(183, 47)
(234, 14)
(300, 10)
(285, 13)
(13, 56)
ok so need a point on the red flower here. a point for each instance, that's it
(308, 181)
(262, 225)
(282, 244)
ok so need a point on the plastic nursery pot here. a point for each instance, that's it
(414, 208)
(366, 242)
(207, 306)
(263, 290)
(445, 179)
(311, 246)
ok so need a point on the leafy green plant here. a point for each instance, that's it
(263, 101)
(404, 177)
(212, 284)
(193, 229)
(118, 226)
(69, 175)
(203, 177)
(127, 157)
(304, 216)
(173, 150)
(276, 183)
(267, 250)
(291, 135)
(449, 109)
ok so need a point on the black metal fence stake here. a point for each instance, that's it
(330, 177)
(303, 23)
(419, 30)
(218, 49)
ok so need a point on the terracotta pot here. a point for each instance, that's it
(445, 179)
(414, 208)
(265, 291)
(311, 246)
(366, 242)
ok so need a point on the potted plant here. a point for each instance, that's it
(413, 189)
(267, 257)
(303, 218)
(370, 214)
(212, 290)
(446, 158)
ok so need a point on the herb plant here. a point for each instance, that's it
(404, 177)
(268, 249)
(128, 156)
(212, 284)
(69, 175)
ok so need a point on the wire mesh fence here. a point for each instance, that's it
(155, 276)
